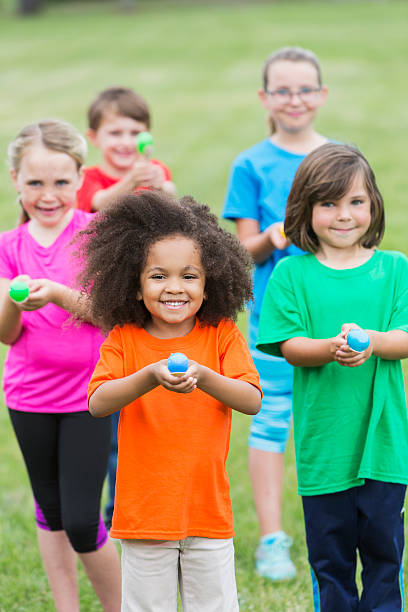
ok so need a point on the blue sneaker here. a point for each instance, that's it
(272, 557)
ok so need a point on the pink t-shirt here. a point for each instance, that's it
(48, 368)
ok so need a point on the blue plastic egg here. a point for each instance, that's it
(358, 340)
(177, 362)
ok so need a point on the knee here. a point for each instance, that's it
(86, 536)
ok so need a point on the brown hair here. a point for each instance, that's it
(290, 54)
(53, 134)
(121, 101)
(114, 247)
(326, 174)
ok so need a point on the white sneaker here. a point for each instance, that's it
(273, 559)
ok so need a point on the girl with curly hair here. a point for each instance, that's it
(164, 277)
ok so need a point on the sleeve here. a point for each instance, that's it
(110, 365)
(399, 315)
(8, 268)
(281, 317)
(87, 191)
(241, 200)
(166, 170)
(236, 360)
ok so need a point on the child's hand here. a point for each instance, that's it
(345, 356)
(179, 384)
(277, 237)
(42, 291)
(143, 173)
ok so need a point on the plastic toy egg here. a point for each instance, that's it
(358, 340)
(144, 143)
(177, 364)
(18, 291)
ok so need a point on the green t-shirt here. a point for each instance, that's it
(349, 423)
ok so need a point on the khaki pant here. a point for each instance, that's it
(203, 568)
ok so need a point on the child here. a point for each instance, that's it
(49, 364)
(115, 118)
(167, 278)
(258, 187)
(350, 414)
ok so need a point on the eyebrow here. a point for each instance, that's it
(185, 269)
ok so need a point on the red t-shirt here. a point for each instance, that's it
(95, 180)
(171, 477)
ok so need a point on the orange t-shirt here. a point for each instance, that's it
(171, 476)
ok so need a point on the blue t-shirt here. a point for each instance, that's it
(258, 188)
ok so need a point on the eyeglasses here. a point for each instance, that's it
(284, 95)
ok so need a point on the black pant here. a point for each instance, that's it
(368, 519)
(66, 457)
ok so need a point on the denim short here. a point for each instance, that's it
(270, 428)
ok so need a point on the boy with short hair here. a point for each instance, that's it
(115, 118)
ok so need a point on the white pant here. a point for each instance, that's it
(202, 567)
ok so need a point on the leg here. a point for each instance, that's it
(149, 575)
(381, 544)
(111, 473)
(103, 570)
(268, 437)
(60, 563)
(37, 436)
(331, 536)
(83, 454)
(266, 473)
(207, 575)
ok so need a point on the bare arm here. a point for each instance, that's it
(10, 315)
(310, 352)
(115, 394)
(237, 394)
(260, 244)
(142, 174)
(389, 345)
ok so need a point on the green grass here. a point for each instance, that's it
(199, 67)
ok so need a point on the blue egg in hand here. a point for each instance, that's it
(177, 363)
(358, 340)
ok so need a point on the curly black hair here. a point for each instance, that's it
(113, 250)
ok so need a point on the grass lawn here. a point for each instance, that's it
(199, 66)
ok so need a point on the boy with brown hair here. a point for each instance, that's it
(115, 118)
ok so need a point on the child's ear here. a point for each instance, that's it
(13, 175)
(323, 95)
(92, 136)
(263, 97)
(139, 296)
(80, 177)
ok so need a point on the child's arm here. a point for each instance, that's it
(391, 345)
(10, 314)
(237, 394)
(311, 352)
(115, 394)
(142, 174)
(260, 244)
(42, 292)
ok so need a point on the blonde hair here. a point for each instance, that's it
(290, 54)
(53, 134)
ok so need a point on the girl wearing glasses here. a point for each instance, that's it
(259, 184)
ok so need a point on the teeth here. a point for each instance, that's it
(174, 303)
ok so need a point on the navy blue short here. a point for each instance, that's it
(368, 519)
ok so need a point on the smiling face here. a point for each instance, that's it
(47, 182)
(342, 223)
(172, 286)
(295, 113)
(116, 138)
